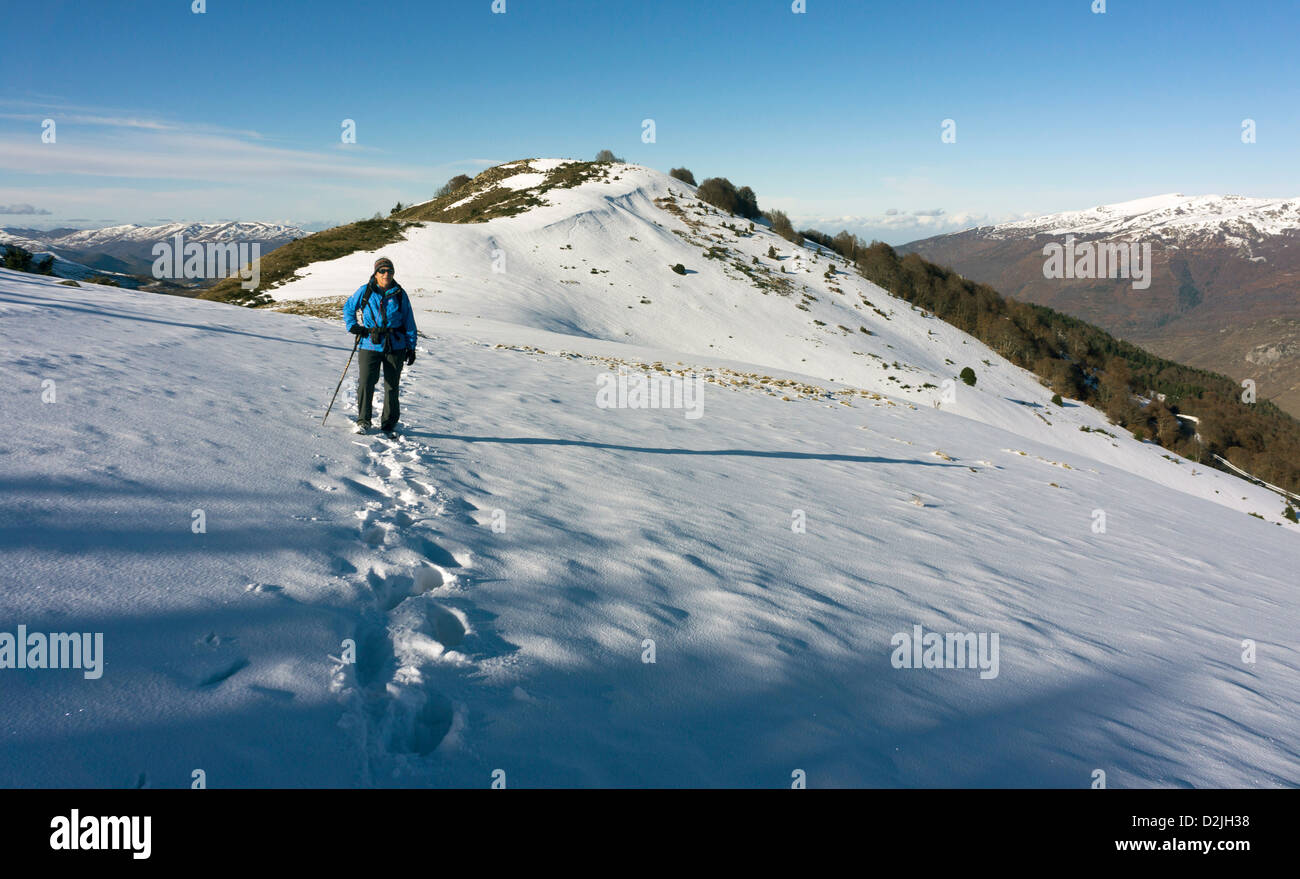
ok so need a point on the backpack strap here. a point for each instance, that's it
(370, 288)
(383, 312)
(389, 330)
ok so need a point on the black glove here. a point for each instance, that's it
(358, 330)
(410, 356)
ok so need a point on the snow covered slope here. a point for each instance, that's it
(64, 268)
(1170, 218)
(593, 266)
(506, 570)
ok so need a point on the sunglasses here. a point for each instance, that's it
(383, 271)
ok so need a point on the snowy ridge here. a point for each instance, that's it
(1173, 217)
(131, 245)
(29, 244)
(66, 268)
(592, 267)
(61, 267)
(202, 232)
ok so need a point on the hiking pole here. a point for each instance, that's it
(355, 343)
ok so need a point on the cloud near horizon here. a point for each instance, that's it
(23, 209)
(895, 226)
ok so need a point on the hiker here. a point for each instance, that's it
(387, 331)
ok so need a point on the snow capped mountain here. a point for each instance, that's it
(135, 234)
(232, 231)
(1222, 292)
(60, 267)
(1172, 218)
(127, 250)
(545, 582)
(26, 243)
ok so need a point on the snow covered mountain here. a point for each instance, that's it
(128, 249)
(65, 268)
(1173, 218)
(1222, 294)
(232, 231)
(543, 588)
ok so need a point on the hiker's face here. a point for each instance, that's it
(383, 277)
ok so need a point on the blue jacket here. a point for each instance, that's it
(396, 303)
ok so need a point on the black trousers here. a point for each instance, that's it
(369, 364)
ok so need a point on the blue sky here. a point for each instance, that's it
(833, 115)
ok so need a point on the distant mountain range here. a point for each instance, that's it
(1224, 282)
(125, 253)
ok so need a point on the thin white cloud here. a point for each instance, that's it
(166, 156)
(123, 143)
(103, 117)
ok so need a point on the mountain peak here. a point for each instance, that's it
(519, 186)
(1172, 218)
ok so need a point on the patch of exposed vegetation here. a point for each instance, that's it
(281, 265)
(479, 200)
(723, 377)
(461, 200)
(326, 307)
(483, 198)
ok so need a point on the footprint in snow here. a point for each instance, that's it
(223, 673)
